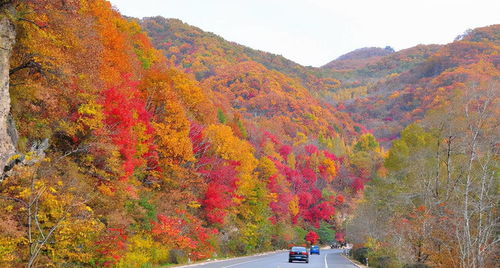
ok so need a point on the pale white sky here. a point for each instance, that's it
(314, 32)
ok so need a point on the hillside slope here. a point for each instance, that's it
(402, 98)
(255, 84)
(138, 163)
(202, 53)
(439, 197)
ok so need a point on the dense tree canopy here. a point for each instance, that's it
(141, 152)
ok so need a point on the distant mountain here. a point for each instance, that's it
(367, 52)
(355, 81)
(426, 81)
(359, 58)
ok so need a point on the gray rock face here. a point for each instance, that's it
(7, 39)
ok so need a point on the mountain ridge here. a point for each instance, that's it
(358, 58)
(350, 78)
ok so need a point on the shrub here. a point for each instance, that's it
(178, 256)
(360, 254)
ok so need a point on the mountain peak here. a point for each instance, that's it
(367, 52)
(359, 57)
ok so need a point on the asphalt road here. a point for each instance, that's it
(330, 258)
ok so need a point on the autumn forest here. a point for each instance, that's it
(130, 142)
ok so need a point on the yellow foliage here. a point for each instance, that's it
(395, 95)
(191, 95)
(273, 197)
(194, 204)
(75, 240)
(330, 167)
(173, 50)
(300, 139)
(174, 144)
(269, 150)
(267, 167)
(24, 194)
(141, 250)
(290, 159)
(91, 115)
(293, 205)
(230, 147)
(250, 235)
(8, 248)
(142, 139)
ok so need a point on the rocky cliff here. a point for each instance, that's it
(7, 39)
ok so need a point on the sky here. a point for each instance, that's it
(314, 32)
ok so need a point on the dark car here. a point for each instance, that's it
(298, 254)
(314, 250)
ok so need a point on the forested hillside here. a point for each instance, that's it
(437, 206)
(405, 95)
(202, 53)
(126, 157)
(149, 142)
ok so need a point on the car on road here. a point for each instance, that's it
(314, 250)
(298, 254)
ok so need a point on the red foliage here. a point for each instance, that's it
(169, 230)
(186, 233)
(311, 149)
(339, 236)
(305, 200)
(285, 150)
(323, 171)
(280, 206)
(339, 200)
(273, 138)
(309, 175)
(320, 212)
(200, 146)
(221, 177)
(330, 155)
(312, 237)
(112, 246)
(200, 236)
(357, 184)
(124, 110)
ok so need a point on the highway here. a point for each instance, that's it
(329, 258)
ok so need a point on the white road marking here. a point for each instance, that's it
(326, 263)
(233, 265)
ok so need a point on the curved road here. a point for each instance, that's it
(329, 258)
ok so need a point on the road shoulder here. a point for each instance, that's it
(211, 261)
(354, 262)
